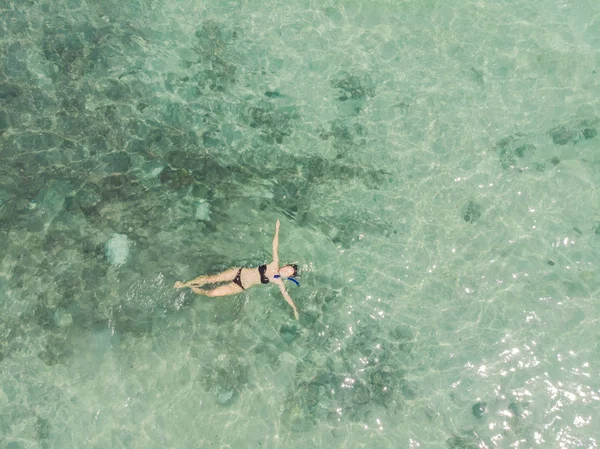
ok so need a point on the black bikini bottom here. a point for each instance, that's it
(238, 279)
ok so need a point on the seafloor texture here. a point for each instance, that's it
(435, 166)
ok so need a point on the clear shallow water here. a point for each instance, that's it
(435, 167)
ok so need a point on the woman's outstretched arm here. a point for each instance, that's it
(276, 244)
(287, 298)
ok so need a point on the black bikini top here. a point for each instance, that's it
(261, 270)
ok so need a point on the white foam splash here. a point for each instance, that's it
(203, 211)
(117, 249)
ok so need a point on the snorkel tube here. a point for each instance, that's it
(277, 276)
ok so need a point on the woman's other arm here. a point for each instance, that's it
(276, 244)
(287, 298)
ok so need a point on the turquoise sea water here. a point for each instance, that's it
(435, 167)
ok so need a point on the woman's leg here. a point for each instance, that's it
(201, 280)
(224, 290)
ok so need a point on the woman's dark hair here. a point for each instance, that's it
(295, 267)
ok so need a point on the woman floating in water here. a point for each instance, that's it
(242, 278)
